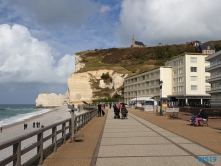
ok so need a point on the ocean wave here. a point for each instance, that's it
(22, 117)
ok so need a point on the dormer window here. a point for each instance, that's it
(208, 47)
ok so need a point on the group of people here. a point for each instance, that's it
(37, 124)
(118, 108)
(196, 118)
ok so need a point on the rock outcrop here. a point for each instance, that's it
(81, 84)
(51, 100)
(84, 86)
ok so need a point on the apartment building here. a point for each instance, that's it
(188, 79)
(215, 78)
(183, 81)
(146, 84)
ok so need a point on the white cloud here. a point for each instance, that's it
(169, 21)
(24, 59)
(105, 9)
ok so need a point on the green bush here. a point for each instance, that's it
(105, 76)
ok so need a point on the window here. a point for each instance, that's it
(180, 70)
(174, 72)
(174, 63)
(194, 87)
(174, 89)
(193, 59)
(181, 61)
(193, 78)
(180, 79)
(193, 69)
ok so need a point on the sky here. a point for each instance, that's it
(38, 39)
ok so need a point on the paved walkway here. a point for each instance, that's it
(142, 139)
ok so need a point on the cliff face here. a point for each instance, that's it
(51, 100)
(82, 86)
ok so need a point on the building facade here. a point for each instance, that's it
(214, 68)
(188, 79)
(183, 81)
(146, 84)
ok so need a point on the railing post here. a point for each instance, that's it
(72, 125)
(64, 132)
(54, 138)
(17, 150)
(40, 148)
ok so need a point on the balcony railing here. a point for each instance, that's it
(213, 77)
(214, 89)
(215, 101)
(213, 66)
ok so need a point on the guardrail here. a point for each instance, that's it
(42, 142)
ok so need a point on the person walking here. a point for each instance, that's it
(1, 129)
(99, 109)
(110, 104)
(123, 111)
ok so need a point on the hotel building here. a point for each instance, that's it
(183, 81)
(215, 78)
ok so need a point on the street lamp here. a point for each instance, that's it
(136, 99)
(161, 85)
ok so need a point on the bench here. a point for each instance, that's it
(174, 115)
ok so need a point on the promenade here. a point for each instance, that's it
(142, 139)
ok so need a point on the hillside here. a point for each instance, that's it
(134, 60)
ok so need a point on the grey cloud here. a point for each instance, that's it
(170, 21)
(54, 12)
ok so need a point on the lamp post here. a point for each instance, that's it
(161, 84)
(136, 99)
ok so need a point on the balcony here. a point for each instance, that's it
(213, 66)
(214, 90)
(215, 101)
(213, 78)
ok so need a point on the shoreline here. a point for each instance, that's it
(29, 119)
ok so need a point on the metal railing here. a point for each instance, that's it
(212, 66)
(48, 139)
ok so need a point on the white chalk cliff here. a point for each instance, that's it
(80, 87)
(51, 99)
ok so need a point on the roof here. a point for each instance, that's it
(139, 43)
(205, 47)
(142, 98)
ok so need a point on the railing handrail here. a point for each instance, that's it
(80, 120)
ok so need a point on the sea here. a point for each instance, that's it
(13, 113)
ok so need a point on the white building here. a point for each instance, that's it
(183, 81)
(146, 84)
(215, 79)
(188, 79)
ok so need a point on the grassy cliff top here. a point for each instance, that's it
(134, 60)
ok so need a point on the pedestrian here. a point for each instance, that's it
(33, 124)
(99, 109)
(1, 129)
(110, 104)
(42, 126)
(24, 126)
